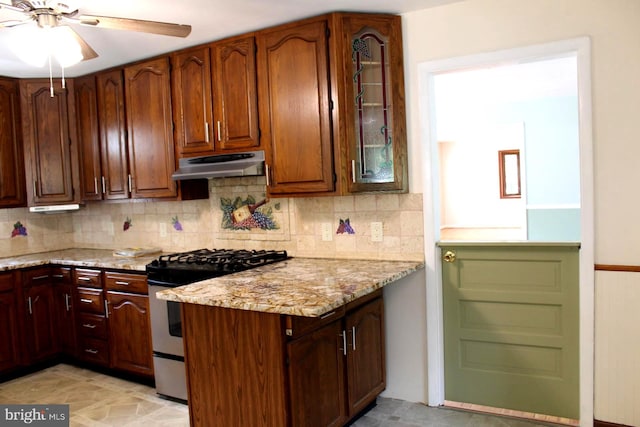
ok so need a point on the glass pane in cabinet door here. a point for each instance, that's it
(372, 96)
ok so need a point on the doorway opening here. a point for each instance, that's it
(532, 215)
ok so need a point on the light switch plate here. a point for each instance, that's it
(163, 229)
(376, 232)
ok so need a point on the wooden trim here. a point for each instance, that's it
(511, 413)
(597, 423)
(502, 154)
(613, 267)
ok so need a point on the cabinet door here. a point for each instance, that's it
(374, 103)
(41, 336)
(49, 140)
(130, 332)
(316, 378)
(150, 129)
(113, 131)
(65, 317)
(9, 354)
(191, 84)
(295, 108)
(365, 358)
(236, 102)
(12, 191)
(88, 142)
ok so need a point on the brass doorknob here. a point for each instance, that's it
(449, 256)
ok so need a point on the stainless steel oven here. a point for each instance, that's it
(179, 269)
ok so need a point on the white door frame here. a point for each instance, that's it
(581, 47)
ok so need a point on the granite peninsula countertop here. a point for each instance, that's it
(96, 258)
(298, 286)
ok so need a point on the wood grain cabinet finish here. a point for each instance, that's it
(49, 133)
(130, 332)
(9, 329)
(40, 332)
(12, 180)
(113, 135)
(294, 95)
(150, 129)
(65, 310)
(88, 141)
(214, 97)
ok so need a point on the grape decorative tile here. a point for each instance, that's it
(18, 230)
(176, 223)
(127, 224)
(345, 227)
(247, 214)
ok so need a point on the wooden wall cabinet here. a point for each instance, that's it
(129, 323)
(88, 141)
(9, 323)
(214, 98)
(332, 116)
(49, 132)
(12, 181)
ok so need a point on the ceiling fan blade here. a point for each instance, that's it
(11, 8)
(14, 22)
(87, 51)
(154, 27)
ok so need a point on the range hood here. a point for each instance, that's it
(55, 208)
(249, 163)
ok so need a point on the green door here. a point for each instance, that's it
(511, 327)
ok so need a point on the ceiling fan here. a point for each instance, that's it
(54, 14)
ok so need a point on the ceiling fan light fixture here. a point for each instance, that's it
(35, 45)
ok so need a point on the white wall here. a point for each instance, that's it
(477, 26)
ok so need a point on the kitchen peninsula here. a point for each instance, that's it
(292, 343)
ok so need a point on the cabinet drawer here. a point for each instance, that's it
(297, 326)
(61, 274)
(36, 276)
(90, 301)
(89, 278)
(7, 281)
(136, 283)
(92, 325)
(94, 350)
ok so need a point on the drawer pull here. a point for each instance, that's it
(90, 350)
(46, 276)
(118, 282)
(89, 325)
(88, 301)
(58, 276)
(84, 279)
(324, 316)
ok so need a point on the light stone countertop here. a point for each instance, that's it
(307, 287)
(96, 258)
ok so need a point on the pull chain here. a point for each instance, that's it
(50, 76)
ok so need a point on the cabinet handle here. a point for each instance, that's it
(35, 190)
(84, 278)
(118, 282)
(90, 350)
(88, 325)
(206, 131)
(353, 337)
(95, 184)
(46, 276)
(266, 174)
(58, 276)
(87, 301)
(353, 171)
(104, 185)
(29, 303)
(344, 342)
(219, 139)
(130, 186)
(106, 309)
(66, 302)
(324, 316)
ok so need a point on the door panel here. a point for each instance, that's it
(511, 327)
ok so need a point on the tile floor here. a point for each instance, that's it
(98, 400)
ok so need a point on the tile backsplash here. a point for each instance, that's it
(302, 226)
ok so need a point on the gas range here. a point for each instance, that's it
(187, 267)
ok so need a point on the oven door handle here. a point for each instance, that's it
(153, 282)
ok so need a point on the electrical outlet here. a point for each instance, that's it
(376, 232)
(327, 232)
(163, 229)
(110, 229)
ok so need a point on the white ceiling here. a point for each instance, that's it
(210, 20)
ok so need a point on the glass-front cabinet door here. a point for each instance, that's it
(376, 123)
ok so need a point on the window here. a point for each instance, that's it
(509, 168)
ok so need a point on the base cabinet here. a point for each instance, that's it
(283, 370)
(65, 310)
(40, 329)
(9, 333)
